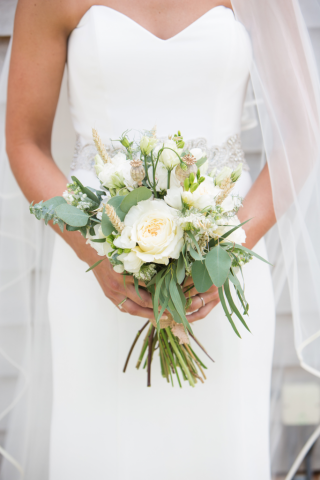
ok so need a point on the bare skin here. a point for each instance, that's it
(39, 54)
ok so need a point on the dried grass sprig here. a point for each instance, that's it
(226, 186)
(114, 219)
(100, 147)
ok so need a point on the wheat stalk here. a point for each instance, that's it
(114, 219)
(100, 147)
(226, 186)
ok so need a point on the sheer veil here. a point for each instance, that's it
(286, 89)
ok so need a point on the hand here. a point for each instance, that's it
(210, 297)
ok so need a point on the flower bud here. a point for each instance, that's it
(201, 179)
(225, 173)
(180, 144)
(127, 250)
(236, 173)
(191, 178)
(194, 187)
(186, 184)
(120, 250)
(125, 142)
(147, 144)
(212, 173)
(198, 174)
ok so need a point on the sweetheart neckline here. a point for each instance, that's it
(138, 25)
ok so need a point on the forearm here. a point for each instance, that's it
(40, 179)
(258, 205)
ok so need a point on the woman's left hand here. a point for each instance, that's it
(200, 308)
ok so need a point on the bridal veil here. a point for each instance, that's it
(286, 88)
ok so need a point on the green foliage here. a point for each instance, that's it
(218, 263)
(201, 277)
(134, 197)
(46, 211)
(106, 225)
(73, 216)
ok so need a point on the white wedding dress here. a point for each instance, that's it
(106, 425)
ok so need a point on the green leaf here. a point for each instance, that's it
(181, 269)
(225, 235)
(72, 215)
(175, 297)
(87, 191)
(238, 245)
(226, 311)
(232, 304)
(195, 242)
(195, 255)
(136, 286)
(95, 264)
(156, 301)
(201, 161)
(106, 225)
(218, 264)
(201, 277)
(54, 202)
(134, 197)
(98, 240)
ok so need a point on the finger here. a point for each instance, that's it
(145, 299)
(134, 309)
(202, 312)
(197, 302)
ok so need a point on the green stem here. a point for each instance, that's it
(170, 356)
(154, 177)
(144, 347)
(133, 345)
(169, 177)
(179, 357)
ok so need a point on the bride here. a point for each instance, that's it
(180, 65)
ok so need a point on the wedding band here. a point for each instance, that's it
(202, 300)
(121, 303)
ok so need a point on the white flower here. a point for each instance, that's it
(173, 197)
(102, 249)
(117, 173)
(238, 236)
(147, 144)
(203, 196)
(162, 177)
(168, 157)
(199, 153)
(131, 261)
(156, 230)
(118, 268)
(230, 203)
(198, 221)
(125, 240)
(222, 175)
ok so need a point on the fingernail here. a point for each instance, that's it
(164, 317)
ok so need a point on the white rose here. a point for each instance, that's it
(125, 239)
(156, 231)
(131, 261)
(147, 144)
(168, 157)
(238, 236)
(173, 197)
(162, 177)
(102, 249)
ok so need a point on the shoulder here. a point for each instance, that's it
(56, 15)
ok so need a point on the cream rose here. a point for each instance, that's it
(155, 230)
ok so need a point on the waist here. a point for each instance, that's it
(228, 154)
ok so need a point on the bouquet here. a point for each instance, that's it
(163, 218)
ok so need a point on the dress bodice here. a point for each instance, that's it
(122, 76)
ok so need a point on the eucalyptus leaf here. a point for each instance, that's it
(218, 264)
(175, 297)
(201, 277)
(233, 305)
(54, 202)
(134, 197)
(195, 242)
(87, 191)
(98, 240)
(195, 255)
(106, 225)
(73, 216)
(238, 245)
(181, 269)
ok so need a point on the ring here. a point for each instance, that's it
(202, 300)
(121, 303)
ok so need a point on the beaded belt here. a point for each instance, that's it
(229, 154)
